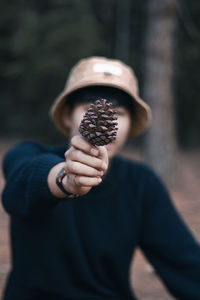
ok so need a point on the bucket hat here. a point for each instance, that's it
(101, 71)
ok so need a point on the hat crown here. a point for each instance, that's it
(100, 70)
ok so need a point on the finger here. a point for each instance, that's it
(103, 155)
(80, 143)
(87, 181)
(72, 185)
(82, 157)
(78, 168)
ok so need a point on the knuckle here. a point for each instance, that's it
(74, 167)
(78, 180)
(99, 163)
(73, 141)
(73, 155)
(67, 153)
(76, 154)
(66, 167)
(69, 166)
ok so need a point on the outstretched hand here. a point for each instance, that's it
(85, 165)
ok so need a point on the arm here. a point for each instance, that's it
(30, 172)
(26, 168)
(168, 244)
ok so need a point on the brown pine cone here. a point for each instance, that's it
(98, 125)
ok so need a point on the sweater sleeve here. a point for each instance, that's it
(168, 244)
(26, 168)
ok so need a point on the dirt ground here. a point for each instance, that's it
(185, 194)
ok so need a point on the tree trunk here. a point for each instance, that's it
(122, 37)
(160, 138)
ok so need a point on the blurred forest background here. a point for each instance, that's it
(39, 43)
(41, 40)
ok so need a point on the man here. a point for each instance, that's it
(79, 212)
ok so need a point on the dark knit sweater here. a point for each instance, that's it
(81, 248)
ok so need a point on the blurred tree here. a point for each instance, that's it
(104, 13)
(44, 44)
(8, 22)
(160, 139)
(123, 34)
(187, 85)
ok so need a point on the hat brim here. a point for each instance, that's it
(141, 117)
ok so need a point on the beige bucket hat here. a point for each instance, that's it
(102, 71)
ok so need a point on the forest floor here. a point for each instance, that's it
(184, 189)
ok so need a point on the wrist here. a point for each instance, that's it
(59, 182)
(51, 180)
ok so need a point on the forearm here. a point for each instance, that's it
(51, 181)
(26, 168)
(30, 171)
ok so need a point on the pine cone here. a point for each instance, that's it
(98, 125)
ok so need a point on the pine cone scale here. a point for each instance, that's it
(98, 125)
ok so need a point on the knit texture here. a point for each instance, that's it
(81, 248)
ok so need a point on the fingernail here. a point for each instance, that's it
(94, 152)
(99, 179)
(104, 165)
(100, 173)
